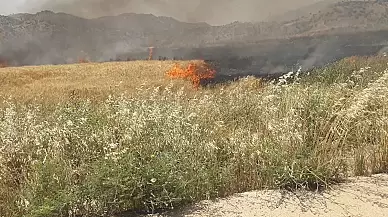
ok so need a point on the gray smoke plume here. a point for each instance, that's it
(58, 45)
(212, 11)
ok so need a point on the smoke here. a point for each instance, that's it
(214, 12)
(383, 51)
(316, 55)
(63, 47)
(324, 52)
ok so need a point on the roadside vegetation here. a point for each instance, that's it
(153, 143)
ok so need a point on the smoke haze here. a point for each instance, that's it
(214, 12)
(66, 39)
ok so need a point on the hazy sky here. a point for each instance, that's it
(8, 7)
(211, 11)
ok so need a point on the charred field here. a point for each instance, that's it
(273, 57)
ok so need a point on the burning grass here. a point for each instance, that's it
(83, 60)
(195, 72)
(161, 147)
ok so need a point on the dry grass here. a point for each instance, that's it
(95, 81)
(157, 147)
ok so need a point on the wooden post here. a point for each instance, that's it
(151, 51)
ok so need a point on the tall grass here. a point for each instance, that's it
(162, 148)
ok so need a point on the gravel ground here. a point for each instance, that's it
(361, 196)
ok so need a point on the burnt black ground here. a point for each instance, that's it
(274, 57)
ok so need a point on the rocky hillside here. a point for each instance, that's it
(303, 11)
(345, 16)
(47, 37)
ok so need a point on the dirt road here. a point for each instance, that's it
(362, 196)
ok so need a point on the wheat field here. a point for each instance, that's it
(94, 81)
(152, 143)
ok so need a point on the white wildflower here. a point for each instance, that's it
(192, 115)
(112, 145)
(70, 123)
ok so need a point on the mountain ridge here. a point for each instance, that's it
(47, 37)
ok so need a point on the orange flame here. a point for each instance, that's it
(83, 60)
(195, 72)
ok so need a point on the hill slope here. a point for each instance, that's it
(47, 37)
(302, 11)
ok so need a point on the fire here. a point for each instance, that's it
(83, 60)
(195, 72)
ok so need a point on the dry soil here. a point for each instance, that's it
(361, 196)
